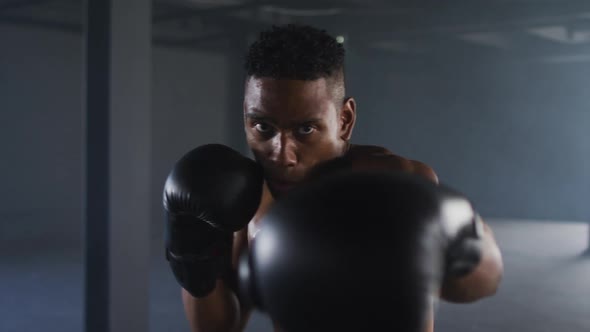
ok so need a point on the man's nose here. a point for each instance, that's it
(283, 151)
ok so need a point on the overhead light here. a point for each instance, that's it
(486, 38)
(302, 12)
(566, 58)
(562, 34)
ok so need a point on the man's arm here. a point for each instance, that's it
(484, 280)
(218, 311)
(222, 310)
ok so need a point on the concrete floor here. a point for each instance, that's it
(546, 288)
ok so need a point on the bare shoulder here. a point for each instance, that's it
(425, 170)
(375, 157)
(368, 149)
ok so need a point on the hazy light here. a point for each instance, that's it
(456, 212)
(266, 245)
(487, 38)
(562, 34)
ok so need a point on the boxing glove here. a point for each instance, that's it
(460, 223)
(211, 192)
(462, 232)
(338, 246)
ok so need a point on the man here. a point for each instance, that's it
(297, 116)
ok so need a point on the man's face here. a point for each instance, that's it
(292, 125)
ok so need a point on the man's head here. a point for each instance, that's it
(296, 112)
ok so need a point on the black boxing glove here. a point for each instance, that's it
(211, 192)
(337, 246)
(461, 225)
(331, 246)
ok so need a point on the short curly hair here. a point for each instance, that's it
(295, 51)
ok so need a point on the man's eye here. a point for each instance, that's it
(262, 128)
(305, 130)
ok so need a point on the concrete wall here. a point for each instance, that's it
(510, 134)
(41, 122)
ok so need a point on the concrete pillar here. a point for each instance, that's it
(118, 148)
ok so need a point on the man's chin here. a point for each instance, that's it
(279, 189)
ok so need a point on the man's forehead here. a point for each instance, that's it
(289, 100)
(291, 115)
(265, 85)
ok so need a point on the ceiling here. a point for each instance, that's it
(550, 30)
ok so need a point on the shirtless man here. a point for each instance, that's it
(296, 116)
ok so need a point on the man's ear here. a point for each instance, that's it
(347, 118)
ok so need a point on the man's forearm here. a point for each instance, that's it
(217, 312)
(481, 282)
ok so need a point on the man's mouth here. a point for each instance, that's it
(280, 186)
